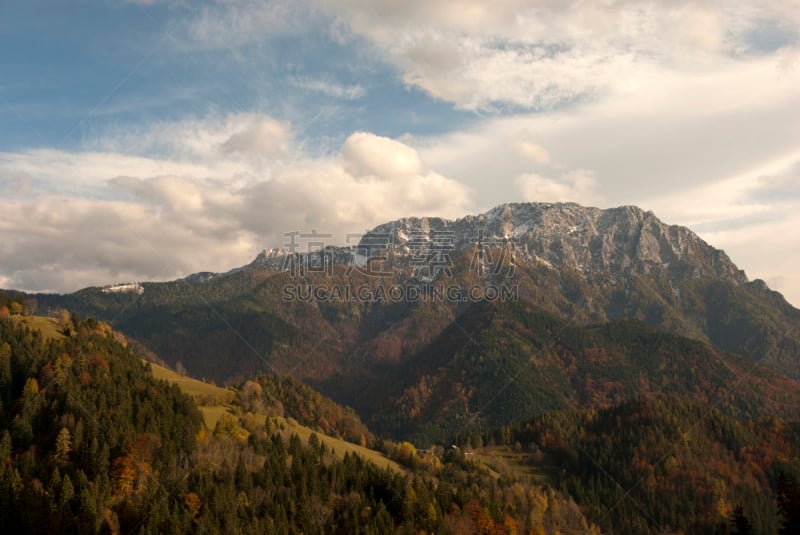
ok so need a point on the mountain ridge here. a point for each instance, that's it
(586, 266)
(561, 234)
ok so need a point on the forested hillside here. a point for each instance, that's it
(89, 438)
(505, 362)
(662, 464)
(92, 443)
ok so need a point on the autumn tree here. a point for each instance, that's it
(124, 474)
(63, 446)
(64, 322)
(193, 503)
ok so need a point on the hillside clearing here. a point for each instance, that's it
(339, 446)
(47, 326)
(213, 401)
(504, 460)
(191, 386)
(222, 397)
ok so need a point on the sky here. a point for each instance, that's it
(151, 139)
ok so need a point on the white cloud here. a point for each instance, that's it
(142, 218)
(368, 155)
(234, 23)
(539, 55)
(578, 186)
(329, 88)
(238, 148)
(50, 170)
(531, 150)
(200, 139)
(675, 132)
(263, 137)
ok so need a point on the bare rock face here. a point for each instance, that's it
(617, 241)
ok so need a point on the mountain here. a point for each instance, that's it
(345, 319)
(592, 265)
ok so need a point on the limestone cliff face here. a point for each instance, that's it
(617, 241)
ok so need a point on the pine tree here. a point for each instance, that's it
(67, 490)
(741, 524)
(789, 503)
(5, 372)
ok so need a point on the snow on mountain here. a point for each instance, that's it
(616, 240)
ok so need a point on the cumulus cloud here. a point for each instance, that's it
(160, 218)
(368, 155)
(263, 137)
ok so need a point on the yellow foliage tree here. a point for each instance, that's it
(63, 446)
(406, 453)
(31, 388)
(193, 503)
(124, 475)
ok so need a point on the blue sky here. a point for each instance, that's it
(150, 139)
(86, 67)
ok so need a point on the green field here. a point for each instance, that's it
(213, 412)
(214, 401)
(340, 446)
(191, 386)
(47, 326)
(505, 461)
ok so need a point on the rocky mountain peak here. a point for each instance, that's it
(565, 235)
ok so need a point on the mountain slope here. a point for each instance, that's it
(92, 443)
(500, 363)
(585, 266)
